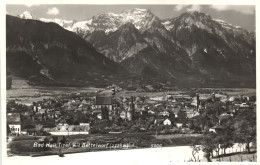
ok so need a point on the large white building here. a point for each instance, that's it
(14, 123)
(65, 129)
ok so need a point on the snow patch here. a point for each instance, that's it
(81, 25)
(26, 15)
(166, 22)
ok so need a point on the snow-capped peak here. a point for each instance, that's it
(108, 22)
(26, 15)
(227, 25)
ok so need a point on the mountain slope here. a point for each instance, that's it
(235, 37)
(192, 46)
(118, 45)
(38, 50)
(215, 50)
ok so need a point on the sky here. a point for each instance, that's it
(240, 15)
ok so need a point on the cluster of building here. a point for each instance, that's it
(57, 116)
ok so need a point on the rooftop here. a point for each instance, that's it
(13, 118)
(105, 100)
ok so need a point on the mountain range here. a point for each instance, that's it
(46, 53)
(192, 48)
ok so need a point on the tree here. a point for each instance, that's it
(215, 109)
(197, 123)
(79, 117)
(245, 127)
(118, 120)
(208, 146)
(226, 140)
(38, 128)
(226, 135)
(8, 130)
(195, 150)
(105, 114)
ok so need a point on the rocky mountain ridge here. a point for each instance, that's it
(192, 46)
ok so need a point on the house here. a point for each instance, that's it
(190, 111)
(97, 113)
(216, 129)
(29, 131)
(99, 116)
(224, 117)
(175, 97)
(48, 128)
(234, 98)
(167, 122)
(144, 113)
(149, 101)
(190, 114)
(14, 123)
(105, 101)
(151, 112)
(140, 107)
(42, 111)
(169, 107)
(57, 114)
(158, 98)
(129, 115)
(244, 105)
(22, 102)
(51, 115)
(179, 125)
(159, 121)
(164, 113)
(38, 117)
(123, 114)
(65, 129)
(84, 102)
(224, 99)
(181, 114)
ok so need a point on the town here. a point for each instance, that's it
(197, 112)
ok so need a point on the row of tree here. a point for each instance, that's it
(241, 128)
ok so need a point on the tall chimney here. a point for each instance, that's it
(132, 108)
(213, 97)
(198, 100)
(114, 91)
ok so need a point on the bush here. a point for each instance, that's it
(25, 138)
(20, 147)
(25, 148)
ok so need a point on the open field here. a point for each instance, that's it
(152, 156)
(177, 136)
(165, 155)
(23, 145)
(148, 94)
(237, 91)
(22, 90)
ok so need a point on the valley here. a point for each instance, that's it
(184, 85)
